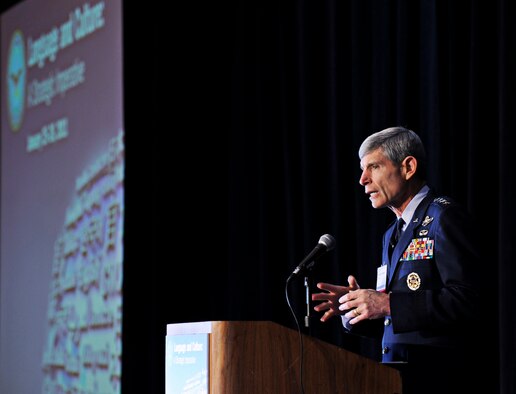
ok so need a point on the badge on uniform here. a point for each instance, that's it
(381, 278)
(427, 221)
(413, 281)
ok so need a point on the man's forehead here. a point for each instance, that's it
(373, 157)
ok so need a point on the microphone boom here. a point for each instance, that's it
(326, 243)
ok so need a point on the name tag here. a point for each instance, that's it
(381, 278)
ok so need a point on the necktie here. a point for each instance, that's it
(399, 227)
(396, 234)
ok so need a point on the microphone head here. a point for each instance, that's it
(328, 241)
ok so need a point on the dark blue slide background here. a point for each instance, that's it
(62, 197)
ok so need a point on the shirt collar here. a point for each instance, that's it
(413, 204)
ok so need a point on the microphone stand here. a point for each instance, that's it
(326, 243)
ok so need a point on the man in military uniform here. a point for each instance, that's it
(427, 300)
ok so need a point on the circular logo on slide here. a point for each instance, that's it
(16, 80)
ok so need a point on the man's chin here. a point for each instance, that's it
(377, 204)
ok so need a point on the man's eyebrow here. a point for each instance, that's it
(373, 163)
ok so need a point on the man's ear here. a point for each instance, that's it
(409, 164)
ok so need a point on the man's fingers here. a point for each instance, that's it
(353, 282)
(322, 307)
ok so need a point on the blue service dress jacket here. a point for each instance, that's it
(433, 281)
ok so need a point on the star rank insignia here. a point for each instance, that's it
(441, 200)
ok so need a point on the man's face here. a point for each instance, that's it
(383, 180)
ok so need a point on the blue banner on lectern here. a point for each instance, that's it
(187, 364)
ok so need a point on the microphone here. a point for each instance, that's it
(326, 243)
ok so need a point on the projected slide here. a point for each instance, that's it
(62, 197)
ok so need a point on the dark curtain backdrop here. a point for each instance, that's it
(249, 120)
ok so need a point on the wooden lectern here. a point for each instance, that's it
(262, 357)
